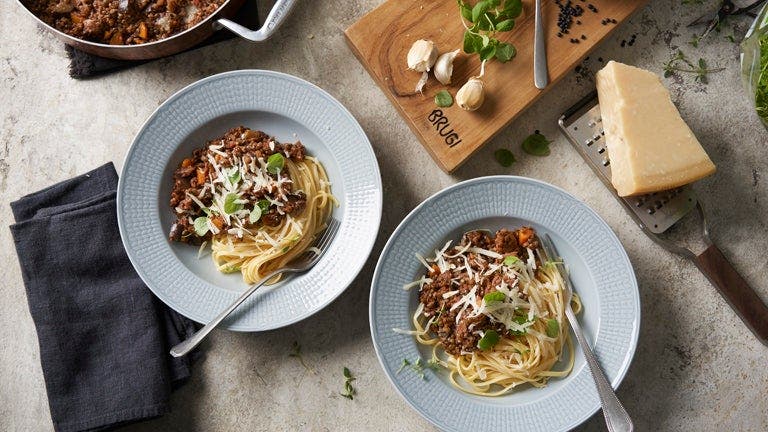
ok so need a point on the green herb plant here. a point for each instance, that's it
(680, 63)
(761, 93)
(349, 391)
(483, 21)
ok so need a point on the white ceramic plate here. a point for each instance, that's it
(280, 105)
(601, 273)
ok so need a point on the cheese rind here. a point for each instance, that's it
(649, 145)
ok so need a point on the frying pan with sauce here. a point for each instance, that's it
(221, 18)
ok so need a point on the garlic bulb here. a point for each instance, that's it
(444, 67)
(471, 95)
(422, 55)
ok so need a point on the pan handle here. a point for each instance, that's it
(276, 16)
(735, 290)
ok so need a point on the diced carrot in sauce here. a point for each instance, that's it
(200, 176)
(523, 235)
(186, 163)
(218, 221)
(143, 32)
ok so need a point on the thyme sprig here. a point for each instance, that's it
(680, 63)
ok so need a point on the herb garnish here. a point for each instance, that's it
(418, 367)
(296, 353)
(489, 340)
(443, 99)
(232, 203)
(553, 328)
(494, 297)
(680, 63)
(488, 19)
(504, 157)
(511, 259)
(275, 163)
(537, 145)
(349, 391)
(201, 226)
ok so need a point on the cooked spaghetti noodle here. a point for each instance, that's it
(493, 313)
(257, 202)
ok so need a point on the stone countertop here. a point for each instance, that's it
(696, 367)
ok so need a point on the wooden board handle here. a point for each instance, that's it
(735, 290)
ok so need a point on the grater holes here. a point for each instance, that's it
(601, 150)
(606, 162)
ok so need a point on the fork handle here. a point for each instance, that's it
(616, 417)
(735, 290)
(188, 345)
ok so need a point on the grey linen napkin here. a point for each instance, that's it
(104, 338)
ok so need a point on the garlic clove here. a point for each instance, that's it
(471, 95)
(422, 55)
(444, 67)
(422, 81)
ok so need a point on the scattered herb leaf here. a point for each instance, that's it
(553, 328)
(537, 145)
(761, 85)
(489, 340)
(201, 226)
(349, 391)
(263, 205)
(275, 163)
(234, 176)
(443, 99)
(504, 157)
(296, 353)
(418, 366)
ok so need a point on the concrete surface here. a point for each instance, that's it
(696, 368)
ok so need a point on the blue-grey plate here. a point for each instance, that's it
(601, 273)
(280, 105)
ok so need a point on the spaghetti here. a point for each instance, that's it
(259, 203)
(493, 313)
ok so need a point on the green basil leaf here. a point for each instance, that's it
(347, 373)
(493, 3)
(494, 297)
(505, 25)
(470, 41)
(230, 204)
(275, 163)
(488, 52)
(489, 339)
(255, 215)
(443, 99)
(504, 157)
(234, 176)
(513, 8)
(510, 260)
(201, 226)
(479, 10)
(536, 145)
(466, 12)
(553, 328)
(263, 205)
(505, 52)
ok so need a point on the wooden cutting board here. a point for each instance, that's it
(382, 38)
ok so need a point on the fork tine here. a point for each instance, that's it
(328, 234)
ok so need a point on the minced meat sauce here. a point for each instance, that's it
(234, 164)
(122, 22)
(463, 337)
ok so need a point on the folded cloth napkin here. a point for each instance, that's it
(104, 338)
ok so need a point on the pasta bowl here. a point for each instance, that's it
(601, 273)
(282, 106)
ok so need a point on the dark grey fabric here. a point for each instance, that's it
(104, 338)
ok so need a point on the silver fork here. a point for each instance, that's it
(300, 264)
(616, 417)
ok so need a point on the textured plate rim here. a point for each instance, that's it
(368, 248)
(491, 179)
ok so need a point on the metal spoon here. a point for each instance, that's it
(540, 74)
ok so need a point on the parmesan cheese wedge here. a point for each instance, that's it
(649, 145)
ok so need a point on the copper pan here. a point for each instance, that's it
(184, 40)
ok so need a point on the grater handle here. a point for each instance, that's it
(735, 290)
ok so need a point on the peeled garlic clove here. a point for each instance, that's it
(422, 81)
(471, 95)
(422, 55)
(444, 67)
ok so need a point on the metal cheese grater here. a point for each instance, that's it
(660, 215)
